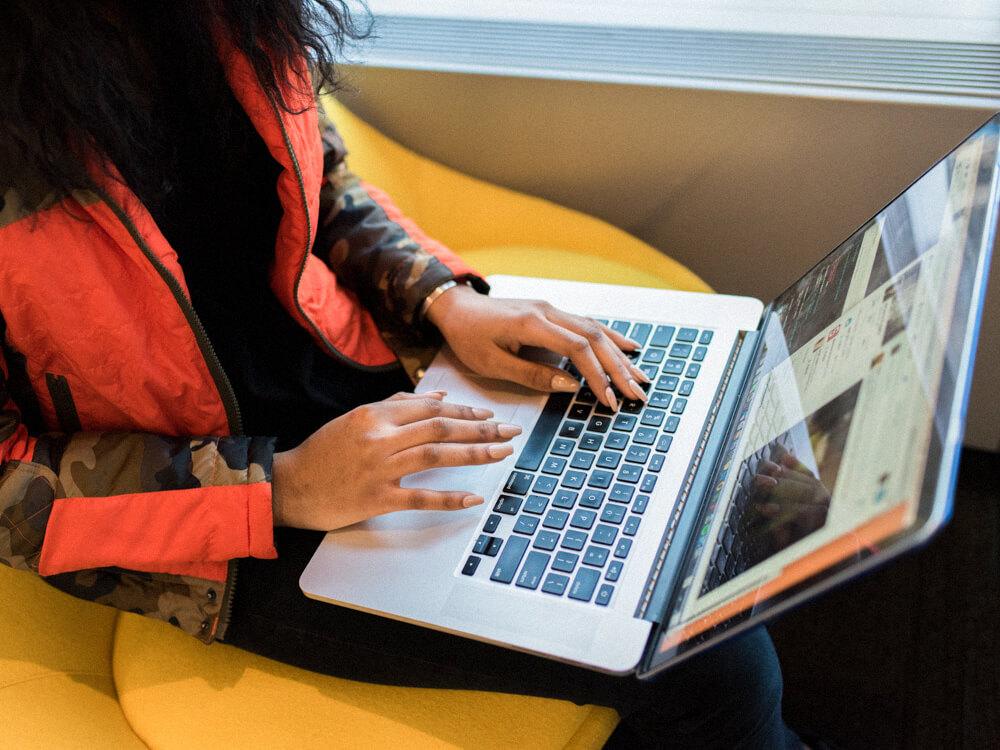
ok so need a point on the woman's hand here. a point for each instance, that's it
(350, 469)
(486, 335)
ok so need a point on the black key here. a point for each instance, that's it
(699, 353)
(621, 493)
(543, 431)
(531, 573)
(663, 444)
(673, 366)
(545, 485)
(614, 570)
(604, 534)
(595, 556)
(574, 479)
(604, 593)
(654, 417)
(609, 459)
(640, 332)
(650, 371)
(509, 559)
(657, 462)
(681, 351)
(653, 356)
(631, 526)
(492, 522)
(553, 465)
(584, 584)
(599, 423)
(679, 405)
(564, 561)
(494, 547)
(601, 479)
(687, 335)
(637, 454)
(591, 499)
(582, 461)
(571, 429)
(579, 411)
(507, 505)
(639, 506)
(645, 436)
(617, 441)
(613, 514)
(662, 336)
(482, 544)
(648, 483)
(555, 584)
(692, 370)
(562, 447)
(705, 338)
(546, 540)
(630, 473)
(686, 387)
(632, 406)
(661, 400)
(621, 326)
(519, 483)
(535, 504)
(586, 395)
(470, 565)
(591, 441)
(555, 519)
(564, 499)
(667, 383)
(623, 548)
(583, 519)
(672, 424)
(526, 525)
(574, 540)
(624, 422)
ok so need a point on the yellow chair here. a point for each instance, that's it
(77, 675)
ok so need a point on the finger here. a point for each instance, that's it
(441, 429)
(443, 455)
(406, 410)
(424, 499)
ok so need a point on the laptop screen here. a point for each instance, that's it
(843, 450)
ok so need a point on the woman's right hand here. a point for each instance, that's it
(350, 469)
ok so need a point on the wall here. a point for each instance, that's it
(746, 189)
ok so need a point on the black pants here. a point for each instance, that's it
(729, 697)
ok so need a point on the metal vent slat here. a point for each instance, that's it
(911, 70)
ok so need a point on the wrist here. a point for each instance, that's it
(438, 302)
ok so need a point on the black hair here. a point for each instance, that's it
(75, 79)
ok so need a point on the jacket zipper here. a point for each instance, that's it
(222, 383)
(336, 353)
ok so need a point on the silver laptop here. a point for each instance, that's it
(783, 449)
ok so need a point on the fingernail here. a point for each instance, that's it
(507, 430)
(500, 451)
(765, 482)
(639, 374)
(632, 345)
(471, 500)
(637, 391)
(480, 413)
(612, 401)
(563, 382)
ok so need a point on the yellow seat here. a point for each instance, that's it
(75, 674)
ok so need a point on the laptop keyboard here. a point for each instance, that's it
(566, 518)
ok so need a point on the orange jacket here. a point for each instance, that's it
(124, 475)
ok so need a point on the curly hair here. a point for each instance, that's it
(73, 78)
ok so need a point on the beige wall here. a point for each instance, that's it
(747, 190)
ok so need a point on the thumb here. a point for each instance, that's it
(540, 377)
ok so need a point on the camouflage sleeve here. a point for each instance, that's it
(137, 501)
(376, 251)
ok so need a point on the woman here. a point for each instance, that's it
(198, 303)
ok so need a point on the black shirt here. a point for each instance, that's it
(219, 209)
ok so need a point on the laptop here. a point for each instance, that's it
(783, 450)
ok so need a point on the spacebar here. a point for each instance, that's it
(545, 429)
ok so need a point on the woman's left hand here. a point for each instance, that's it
(486, 334)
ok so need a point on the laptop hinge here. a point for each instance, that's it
(655, 595)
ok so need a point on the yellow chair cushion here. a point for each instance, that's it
(75, 674)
